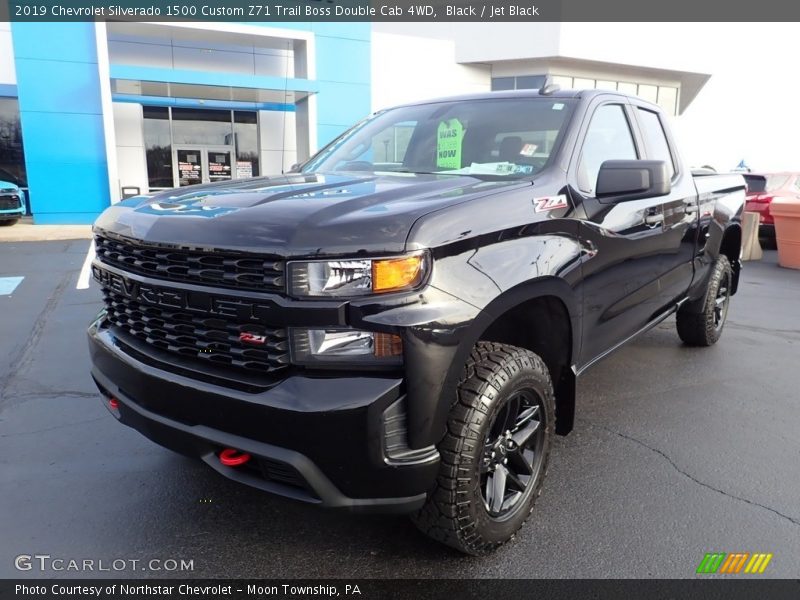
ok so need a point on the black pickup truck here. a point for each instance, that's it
(398, 324)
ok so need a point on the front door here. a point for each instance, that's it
(624, 242)
(202, 164)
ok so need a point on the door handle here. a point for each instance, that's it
(690, 208)
(654, 219)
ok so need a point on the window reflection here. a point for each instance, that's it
(202, 126)
(245, 127)
(158, 146)
(12, 156)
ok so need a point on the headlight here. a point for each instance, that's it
(359, 277)
(352, 346)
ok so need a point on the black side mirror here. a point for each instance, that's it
(625, 180)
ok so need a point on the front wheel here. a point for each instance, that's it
(494, 455)
(702, 325)
(8, 222)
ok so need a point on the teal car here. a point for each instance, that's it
(12, 203)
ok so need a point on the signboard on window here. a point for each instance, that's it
(219, 165)
(244, 169)
(189, 167)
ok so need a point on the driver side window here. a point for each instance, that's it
(609, 137)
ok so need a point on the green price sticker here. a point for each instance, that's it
(449, 138)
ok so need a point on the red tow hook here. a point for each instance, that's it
(230, 457)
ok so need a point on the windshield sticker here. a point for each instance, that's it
(558, 106)
(449, 138)
(528, 150)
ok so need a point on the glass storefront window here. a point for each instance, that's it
(158, 146)
(648, 92)
(12, 156)
(245, 131)
(173, 136)
(500, 84)
(563, 81)
(530, 82)
(668, 99)
(202, 126)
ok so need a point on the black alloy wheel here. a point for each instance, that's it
(512, 457)
(495, 452)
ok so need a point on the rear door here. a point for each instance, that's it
(680, 207)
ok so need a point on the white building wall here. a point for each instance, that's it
(407, 68)
(277, 141)
(8, 73)
(131, 162)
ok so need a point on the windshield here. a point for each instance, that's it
(504, 137)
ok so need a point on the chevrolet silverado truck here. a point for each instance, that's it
(398, 323)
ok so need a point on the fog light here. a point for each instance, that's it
(349, 346)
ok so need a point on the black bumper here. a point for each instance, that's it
(321, 440)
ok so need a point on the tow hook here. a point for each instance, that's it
(230, 457)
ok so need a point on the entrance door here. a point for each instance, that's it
(202, 164)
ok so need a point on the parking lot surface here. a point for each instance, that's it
(676, 452)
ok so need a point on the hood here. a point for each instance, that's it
(296, 215)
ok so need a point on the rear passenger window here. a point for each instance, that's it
(608, 138)
(656, 139)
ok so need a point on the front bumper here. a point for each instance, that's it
(320, 439)
(15, 213)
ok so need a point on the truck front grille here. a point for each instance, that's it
(225, 269)
(9, 202)
(200, 337)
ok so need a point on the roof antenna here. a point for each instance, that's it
(548, 87)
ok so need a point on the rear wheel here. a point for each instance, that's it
(8, 222)
(495, 453)
(702, 325)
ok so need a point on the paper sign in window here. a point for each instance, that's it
(449, 138)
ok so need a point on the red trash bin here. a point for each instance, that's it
(786, 212)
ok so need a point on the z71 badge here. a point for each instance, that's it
(550, 203)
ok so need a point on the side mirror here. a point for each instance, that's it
(625, 180)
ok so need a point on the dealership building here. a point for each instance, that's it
(94, 112)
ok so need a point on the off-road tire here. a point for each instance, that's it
(697, 324)
(455, 513)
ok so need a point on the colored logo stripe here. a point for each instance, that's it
(734, 562)
(721, 562)
(758, 563)
(711, 562)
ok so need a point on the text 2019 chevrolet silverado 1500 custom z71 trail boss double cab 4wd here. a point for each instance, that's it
(398, 325)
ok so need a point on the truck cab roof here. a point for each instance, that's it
(586, 94)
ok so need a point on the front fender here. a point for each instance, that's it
(467, 292)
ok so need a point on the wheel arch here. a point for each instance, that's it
(542, 316)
